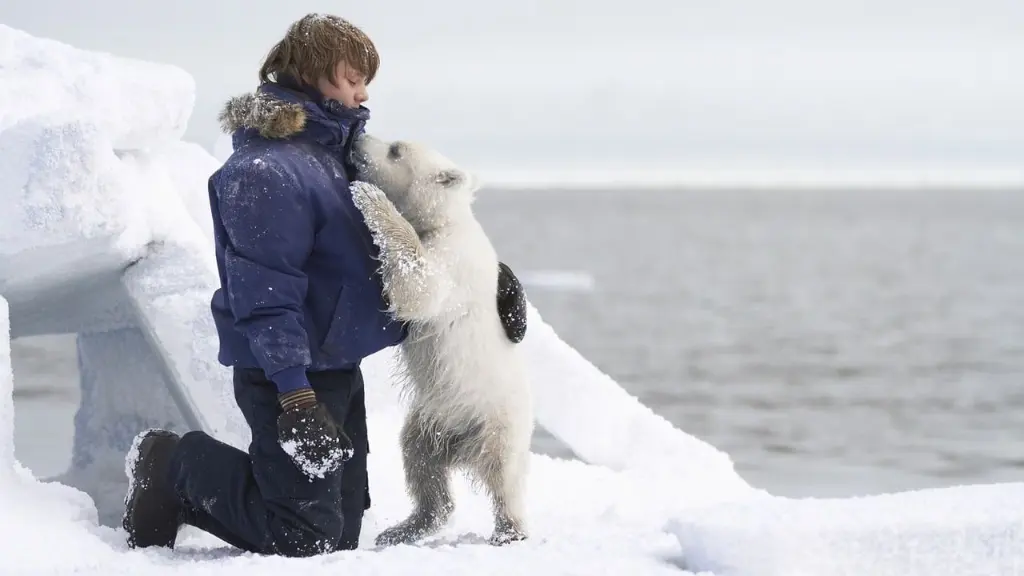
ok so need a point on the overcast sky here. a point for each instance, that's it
(519, 84)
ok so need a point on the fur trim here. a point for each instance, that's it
(273, 118)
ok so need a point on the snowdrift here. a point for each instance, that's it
(107, 236)
(963, 531)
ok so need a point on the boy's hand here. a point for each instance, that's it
(310, 436)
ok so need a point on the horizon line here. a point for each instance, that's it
(654, 179)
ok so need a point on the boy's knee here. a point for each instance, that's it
(306, 537)
(306, 524)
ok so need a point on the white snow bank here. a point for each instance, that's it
(46, 528)
(962, 531)
(575, 518)
(63, 184)
(135, 104)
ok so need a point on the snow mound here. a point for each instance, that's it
(64, 185)
(575, 530)
(962, 531)
(134, 103)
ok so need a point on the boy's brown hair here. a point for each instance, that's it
(314, 45)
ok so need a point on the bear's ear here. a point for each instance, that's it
(449, 178)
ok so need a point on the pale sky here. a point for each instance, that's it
(610, 85)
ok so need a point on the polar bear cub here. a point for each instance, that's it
(470, 405)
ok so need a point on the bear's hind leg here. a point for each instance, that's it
(503, 472)
(427, 461)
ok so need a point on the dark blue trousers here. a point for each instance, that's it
(260, 501)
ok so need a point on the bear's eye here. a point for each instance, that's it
(395, 151)
(446, 178)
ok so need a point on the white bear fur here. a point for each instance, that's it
(470, 406)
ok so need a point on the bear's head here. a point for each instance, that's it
(427, 188)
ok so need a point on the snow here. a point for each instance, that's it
(135, 104)
(107, 236)
(315, 468)
(962, 531)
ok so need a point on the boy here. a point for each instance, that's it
(300, 305)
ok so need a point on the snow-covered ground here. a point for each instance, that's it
(107, 228)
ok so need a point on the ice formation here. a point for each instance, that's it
(106, 236)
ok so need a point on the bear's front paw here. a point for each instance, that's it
(370, 200)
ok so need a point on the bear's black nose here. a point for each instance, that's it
(395, 151)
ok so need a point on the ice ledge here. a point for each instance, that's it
(961, 531)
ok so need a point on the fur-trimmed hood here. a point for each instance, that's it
(267, 114)
(277, 112)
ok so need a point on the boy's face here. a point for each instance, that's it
(350, 89)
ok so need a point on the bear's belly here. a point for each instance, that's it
(468, 364)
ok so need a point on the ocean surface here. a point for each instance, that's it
(834, 343)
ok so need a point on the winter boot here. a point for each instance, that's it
(153, 512)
